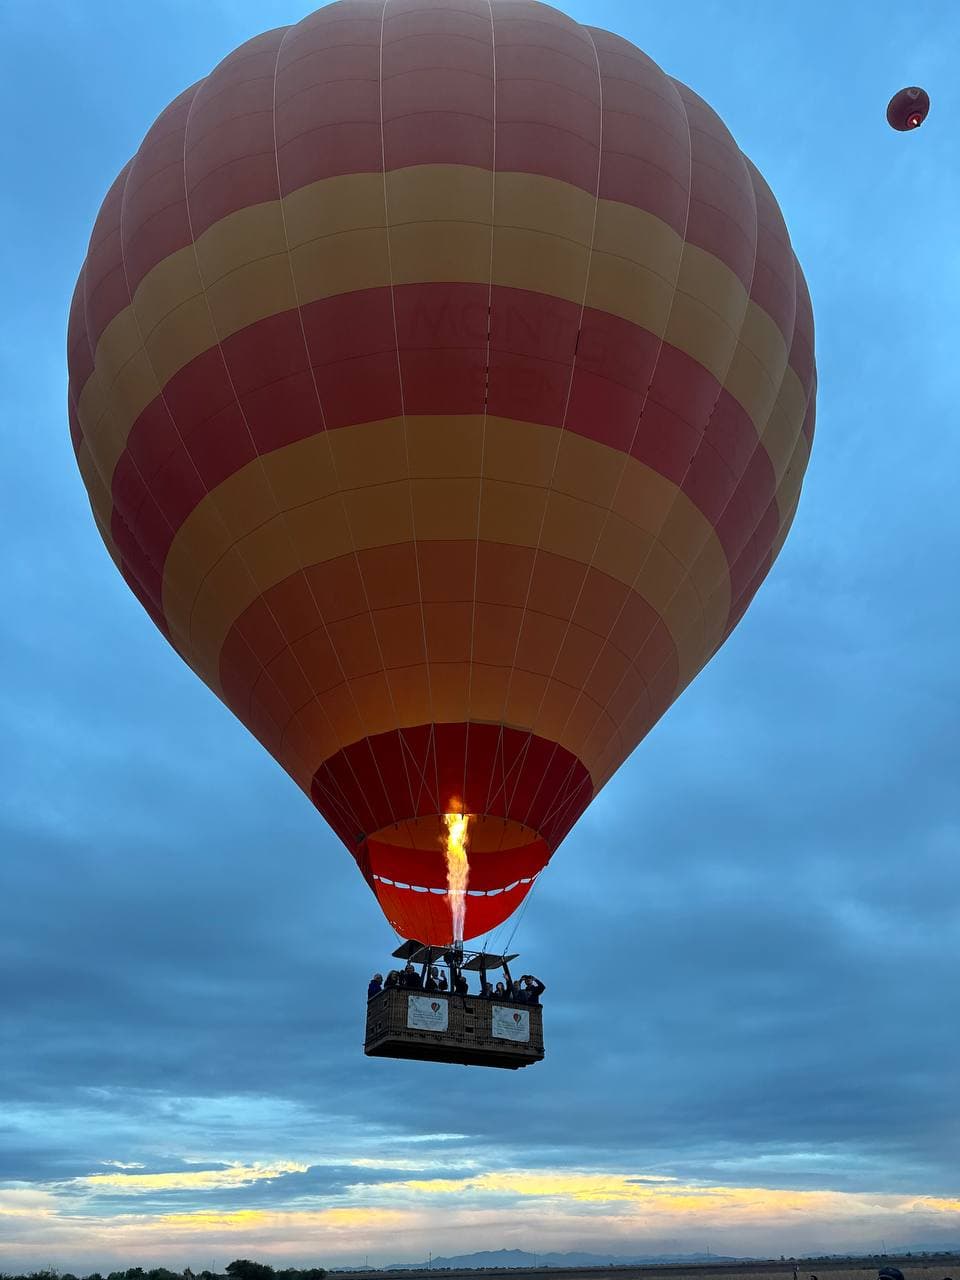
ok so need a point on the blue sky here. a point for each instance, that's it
(765, 903)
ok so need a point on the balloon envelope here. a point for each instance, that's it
(442, 379)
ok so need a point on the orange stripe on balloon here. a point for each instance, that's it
(396, 610)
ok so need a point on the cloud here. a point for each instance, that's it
(231, 1175)
(667, 1197)
(561, 1208)
(26, 1202)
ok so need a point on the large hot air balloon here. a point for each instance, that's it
(442, 379)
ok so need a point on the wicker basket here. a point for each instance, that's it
(468, 1037)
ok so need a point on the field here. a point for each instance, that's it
(823, 1269)
(933, 1267)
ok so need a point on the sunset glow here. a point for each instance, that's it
(559, 1209)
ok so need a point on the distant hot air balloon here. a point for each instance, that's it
(442, 379)
(908, 109)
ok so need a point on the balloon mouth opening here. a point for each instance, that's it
(412, 853)
(406, 866)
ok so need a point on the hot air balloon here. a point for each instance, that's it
(908, 109)
(442, 380)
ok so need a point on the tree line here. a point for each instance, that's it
(239, 1269)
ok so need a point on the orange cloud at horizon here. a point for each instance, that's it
(544, 1209)
(669, 1195)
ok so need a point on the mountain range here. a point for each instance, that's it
(491, 1258)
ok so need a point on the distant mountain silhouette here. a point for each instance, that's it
(492, 1258)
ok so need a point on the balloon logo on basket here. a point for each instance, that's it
(516, 1017)
(434, 1005)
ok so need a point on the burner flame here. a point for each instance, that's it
(458, 868)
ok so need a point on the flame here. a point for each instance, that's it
(458, 868)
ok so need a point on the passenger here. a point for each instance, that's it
(461, 986)
(532, 990)
(393, 980)
(375, 986)
(442, 981)
(431, 983)
(486, 990)
(410, 977)
(500, 991)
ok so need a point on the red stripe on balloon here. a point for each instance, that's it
(369, 779)
(774, 286)
(155, 219)
(683, 425)
(328, 96)
(230, 159)
(105, 291)
(722, 217)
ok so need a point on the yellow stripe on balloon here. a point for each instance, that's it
(605, 506)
